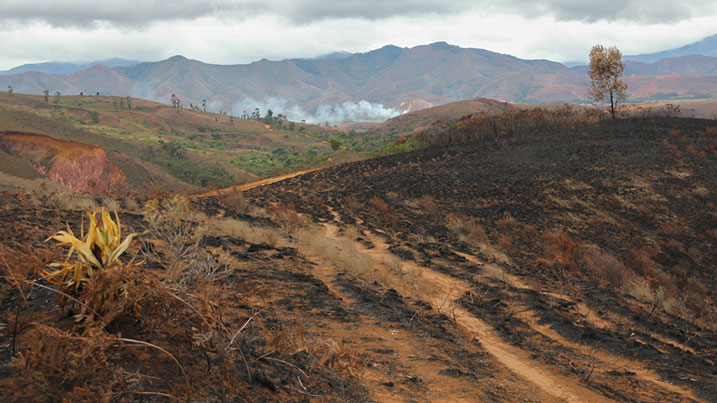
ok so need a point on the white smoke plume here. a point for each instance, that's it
(333, 114)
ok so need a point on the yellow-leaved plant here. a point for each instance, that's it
(96, 251)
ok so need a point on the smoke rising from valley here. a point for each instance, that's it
(347, 111)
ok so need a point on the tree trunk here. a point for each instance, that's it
(612, 106)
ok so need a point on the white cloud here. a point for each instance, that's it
(226, 32)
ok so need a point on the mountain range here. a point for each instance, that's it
(705, 47)
(67, 67)
(388, 80)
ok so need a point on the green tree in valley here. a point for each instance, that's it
(46, 92)
(606, 68)
(335, 144)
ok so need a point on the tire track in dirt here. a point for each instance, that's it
(447, 290)
(607, 360)
(410, 360)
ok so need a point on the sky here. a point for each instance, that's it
(242, 31)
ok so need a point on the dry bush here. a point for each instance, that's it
(466, 229)
(607, 267)
(54, 359)
(530, 230)
(672, 229)
(177, 246)
(561, 252)
(643, 260)
(507, 223)
(505, 242)
(428, 203)
(384, 211)
(644, 292)
(284, 215)
(235, 201)
(293, 338)
(352, 203)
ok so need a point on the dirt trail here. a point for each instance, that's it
(449, 289)
(609, 361)
(411, 360)
(446, 291)
(255, 184)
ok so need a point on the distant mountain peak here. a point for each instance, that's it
(333, 56)
(442, 45)
(704, 47)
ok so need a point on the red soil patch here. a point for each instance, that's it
(81, 167)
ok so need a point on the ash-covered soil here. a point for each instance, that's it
(608, 230)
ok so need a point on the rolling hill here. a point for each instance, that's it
(153, 146)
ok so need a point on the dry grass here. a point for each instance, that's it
(243, 230)
(343, 253)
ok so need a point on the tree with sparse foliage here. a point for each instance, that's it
(46, 92)
(606, 68)
(57, 97)
(9, 90)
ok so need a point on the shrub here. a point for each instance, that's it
(561, 252)
(428, 203)
(466, 229)
(607, 267)
(178, 247)
(385, 211)
(234, 200)
(93, 273)
(507, 223)
(352, 203)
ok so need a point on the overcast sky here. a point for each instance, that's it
(233, 32)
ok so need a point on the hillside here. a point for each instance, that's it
(147, 140)
(570, 262)
(568, 256)
(422, 119)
